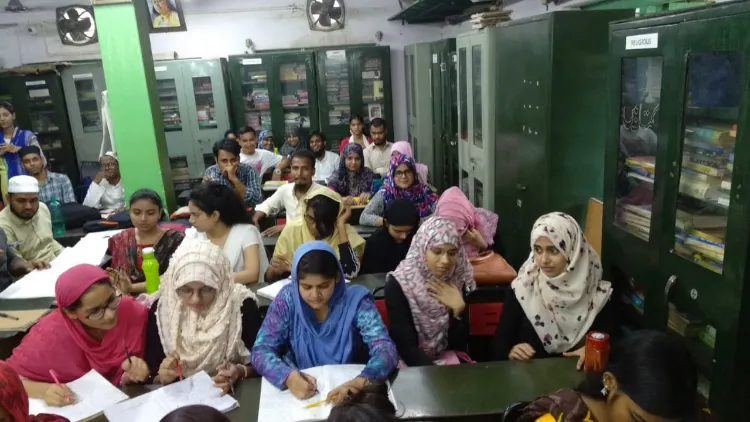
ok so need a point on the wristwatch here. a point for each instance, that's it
(277, 171)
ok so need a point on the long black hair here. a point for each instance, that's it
(654, 369)
(369, 405)
(325, 211)
(214, 196)
(147, 194)
(195, 413)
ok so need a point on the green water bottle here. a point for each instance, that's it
(150, 269)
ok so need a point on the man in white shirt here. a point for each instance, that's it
(106, 192)
(259, 159)
(326, 162)
(287, 197)
(378, 153)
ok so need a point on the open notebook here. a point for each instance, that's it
(152, 407)
(272, 290)
(93, 394)
(282, 406)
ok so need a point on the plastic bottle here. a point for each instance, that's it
(58, 219)
(597, 352)
(150, 269)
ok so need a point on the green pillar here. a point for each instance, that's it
(134, 105)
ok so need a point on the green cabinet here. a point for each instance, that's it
(353, 80)
(675, 185)
(39, 103)
(551, 71)
(275, 91)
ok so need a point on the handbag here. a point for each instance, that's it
(491, 268)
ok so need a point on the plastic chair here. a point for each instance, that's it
(514, 411)
(484, 317)
(380, 304)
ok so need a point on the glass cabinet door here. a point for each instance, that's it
(708, 144)
(294, 95)
(476, 93)
(256, 100)
(41, 107)
(641, 86)
(86, 94)
(373, 88)
(170, 106)
(336, 85)
(204, 102)
(463, 98)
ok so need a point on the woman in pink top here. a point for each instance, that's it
(356, 128)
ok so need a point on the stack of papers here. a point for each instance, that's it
(152, 407)
(93, 392)
(272, 290)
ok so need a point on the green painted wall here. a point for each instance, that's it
(134, 107)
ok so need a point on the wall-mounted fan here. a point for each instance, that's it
(76, 25)
(325, 15)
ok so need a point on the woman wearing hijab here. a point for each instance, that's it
(266, 141)
(14, 402)
(425, 297)
(388, 246)
(325, 218)
(201, 319)
(404, 148)
(91, 329)
(294, 142)
(318, 320)
(558, 296)
(352, 180)
(477, 226)
(401, 183)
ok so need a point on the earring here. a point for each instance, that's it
(605, 392)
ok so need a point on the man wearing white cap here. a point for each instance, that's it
(27, 222)
(106, 192)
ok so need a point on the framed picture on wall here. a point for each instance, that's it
(166, 16)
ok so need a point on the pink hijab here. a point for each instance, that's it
(432, 318)
(60, 343)
(404, 148)
(456, 207)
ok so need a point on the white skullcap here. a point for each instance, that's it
(23, 184)
(109, 154)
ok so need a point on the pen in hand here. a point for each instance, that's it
(53, 374)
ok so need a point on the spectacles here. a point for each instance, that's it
(108, 165)
(98, 313)
(403, 174)
(186, 292)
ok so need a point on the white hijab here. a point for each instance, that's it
(562, 309)
(203, 340)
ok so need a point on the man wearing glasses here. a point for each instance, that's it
(106, 192)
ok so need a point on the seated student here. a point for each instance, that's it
(650, 377)
(356, 129)
(404, 148)
(13, 266)
(477, 226)
(218, 215)
(324, 218)
(106, 192)
(388, 246)
(91, 329)
(261, 160)
(229, 134)
(425, 297)
(126, 248)
(14, 402)
(202, 319)
(326, 162)
(402, 183)
(352, 180)
(195, 413)
(378, 153)
(371, 404)
(266, 141)
(557, 298)
(319, 320)
(50, 184)
(27, 222)
(294, 142)
(230, 172)
(287, 197)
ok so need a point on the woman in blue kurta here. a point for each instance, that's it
(14, 138)
(318, 320)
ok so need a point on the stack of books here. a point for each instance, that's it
(636, 219)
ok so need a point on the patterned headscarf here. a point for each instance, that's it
(421, 195)
(346, 183)
(563, 308)
(203, 340)
(431, 317)
(263, 135)
(457, 208)
(404, 147)
(288, 149)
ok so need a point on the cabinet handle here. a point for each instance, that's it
(668, 287)
(521, 187)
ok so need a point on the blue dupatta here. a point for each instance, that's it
(331, 342)
(12, 160)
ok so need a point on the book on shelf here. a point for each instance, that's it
(714, 134)
(645, 162)
(683, 323)
(701, 221)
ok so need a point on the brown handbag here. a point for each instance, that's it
(491, 268)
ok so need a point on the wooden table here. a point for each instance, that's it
(462, 392)
(70, 237)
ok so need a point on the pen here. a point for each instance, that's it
(179, 370)
(4, 315)
(318, 403)
(57, 381)
(304, 377)
(127, 354)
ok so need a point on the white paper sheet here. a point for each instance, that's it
(272, 290)
(152, 407)
(93, 392)
(282, 406)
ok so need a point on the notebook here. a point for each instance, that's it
(282, 406)
(272, 290)
(152, 407)
(93, 393)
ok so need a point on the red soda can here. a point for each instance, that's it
(597, 352)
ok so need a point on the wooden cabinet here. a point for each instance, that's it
(676, 228)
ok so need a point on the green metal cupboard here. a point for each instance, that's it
(39, 103)
(675, 183)
(550, 128)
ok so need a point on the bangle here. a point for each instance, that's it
(244, 368)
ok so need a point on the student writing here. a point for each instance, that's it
(388, 246)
